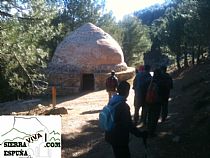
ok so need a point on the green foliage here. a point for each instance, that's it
(76, 13)
(135, 40)
(73, 14)
(183, 28)
(30, 32)
(130, 34)
(108, 24)
(148, 15)
(23, 52)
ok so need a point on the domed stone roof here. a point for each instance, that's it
(90, 49)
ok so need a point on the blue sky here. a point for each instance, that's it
(124, 7)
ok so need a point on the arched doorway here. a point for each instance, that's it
(88, 82)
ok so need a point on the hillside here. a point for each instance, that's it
(186, 134)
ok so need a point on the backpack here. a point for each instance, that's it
(152, 93)
(143, 81)
(106, 117)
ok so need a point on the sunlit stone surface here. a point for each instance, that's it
(84, 59)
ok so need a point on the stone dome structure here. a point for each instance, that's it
(89, 49)
(84, 59)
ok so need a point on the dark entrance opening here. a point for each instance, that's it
(87, 82)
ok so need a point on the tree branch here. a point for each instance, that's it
(25, 71)
(2, 13)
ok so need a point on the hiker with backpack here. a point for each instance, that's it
(118, 135)
(153, 102)
(166, 86)
(111, 84)
(142, 82)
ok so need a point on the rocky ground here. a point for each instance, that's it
(184, 135)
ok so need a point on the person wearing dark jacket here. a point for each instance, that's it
(154, 108)
(142, 82)
(118, 137)
(137, 97)
(166, 86)
(111, 84)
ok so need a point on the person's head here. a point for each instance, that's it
(147, 68)
(112, 73)
(157, 72)
(164, 68)
(123, 88)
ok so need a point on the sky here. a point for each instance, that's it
(124, 7)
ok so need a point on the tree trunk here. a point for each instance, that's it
(185, 59)
(202, 53)
(208, 54)
(193, 56)
(198, 54)
(178, 62)
(185, 55)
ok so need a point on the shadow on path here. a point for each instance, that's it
(89, 143)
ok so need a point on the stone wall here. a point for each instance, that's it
(100, 78)
(65, 83)
(72, 83)
(65, 68)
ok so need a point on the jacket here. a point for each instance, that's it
(142, 82)
(119, 135)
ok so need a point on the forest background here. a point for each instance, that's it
(31, 30)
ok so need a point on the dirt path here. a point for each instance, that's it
(184, 135)
(81, 135)
(83, 139)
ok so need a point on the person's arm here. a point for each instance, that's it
(131, 127)
(171, 81)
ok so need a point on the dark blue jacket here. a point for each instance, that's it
(123, 126)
